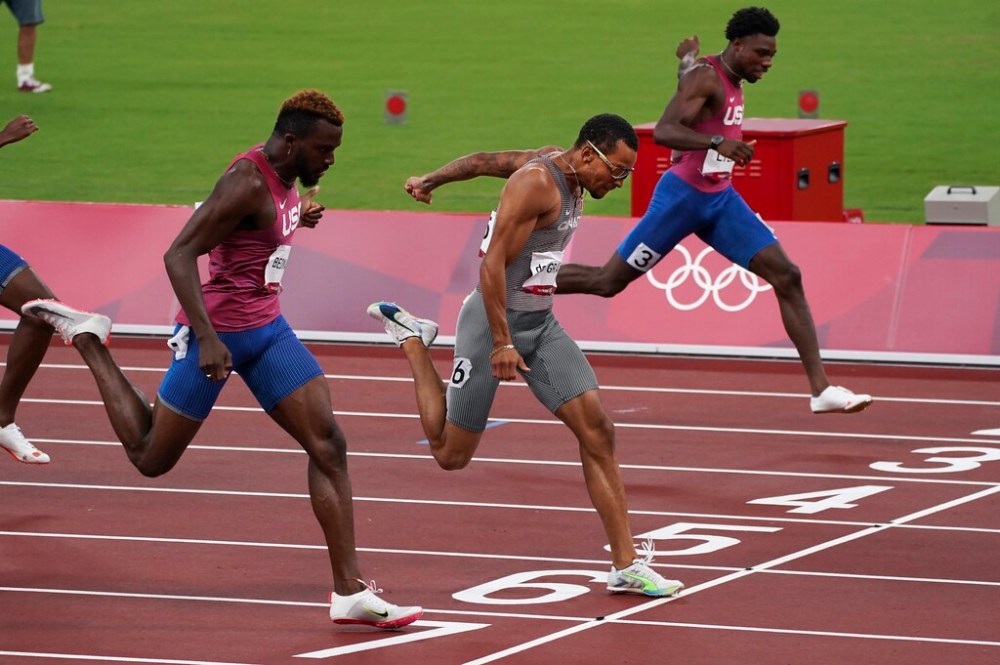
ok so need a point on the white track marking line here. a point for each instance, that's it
(462, 504)
(113, 659)
(486, 556)
(263, 601)
(613, 388)
(811, 633)
(618, 425)
(486, 614)
(733, 576)
(529, 462)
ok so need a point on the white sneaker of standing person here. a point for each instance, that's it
(67, 321)
(366, 608)
(26, 81)
(401, 325)
(19, 447)
(837, 399)
(33, 85)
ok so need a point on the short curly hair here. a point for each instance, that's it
(752, 21)
(300, 112)
(605, 131)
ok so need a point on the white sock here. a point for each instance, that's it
(25, 72)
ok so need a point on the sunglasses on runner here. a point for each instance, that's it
(617, 172)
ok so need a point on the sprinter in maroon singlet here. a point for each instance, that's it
(703, 123)
(233, 322)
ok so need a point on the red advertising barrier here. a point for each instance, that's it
(797, 170)
(876, 290)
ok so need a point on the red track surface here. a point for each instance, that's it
(221, 561)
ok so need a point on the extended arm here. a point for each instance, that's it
(496, 164)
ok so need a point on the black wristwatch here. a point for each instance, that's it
(715, 142)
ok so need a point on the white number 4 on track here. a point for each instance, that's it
(810, 503)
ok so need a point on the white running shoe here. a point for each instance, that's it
(836, 399)
(368, 609)
(67, 321)
(31, 84)
(401, 325)
(19, 447)
(639, 578)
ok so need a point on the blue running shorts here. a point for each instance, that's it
(722, 220)
(10, 265)
(270, 359)
(26, 12)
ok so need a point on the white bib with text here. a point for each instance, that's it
(544, 267)
(276, 268)
(716, 166)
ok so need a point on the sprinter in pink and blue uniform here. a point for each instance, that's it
(703, 124)
(233, 322)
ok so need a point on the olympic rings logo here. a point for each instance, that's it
(711, 288)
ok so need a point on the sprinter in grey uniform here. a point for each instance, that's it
(506, 328)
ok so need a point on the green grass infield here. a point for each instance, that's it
(151, 99)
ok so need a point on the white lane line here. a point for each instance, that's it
(472, 504)
(530, 462)
(113, 659)
(618, 425)
(490, 557)
(811, 633)
(279, 603)
(552, 637)
(882, 578)
(613, 388)
(487, 614)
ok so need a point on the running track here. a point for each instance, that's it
(872, 538)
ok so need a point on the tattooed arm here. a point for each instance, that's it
(496, 164)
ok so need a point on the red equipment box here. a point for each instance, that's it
(797, 172)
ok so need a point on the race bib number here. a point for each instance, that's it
(544, 267)
(643, 258)
(716, 167)
(275, 269)
(461, 369)
(489, 234)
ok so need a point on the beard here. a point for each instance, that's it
(308, 177)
